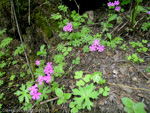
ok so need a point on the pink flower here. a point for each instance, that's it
(100, 48)
(68, 27)
(96, 42)
(48, 68)
(40, 80)
(47, 78)
(33, 88)
(109, 4)
(117, 8)
(37, 62)
(92, 47)
(36, 96)
(148, 12)
(116, 2)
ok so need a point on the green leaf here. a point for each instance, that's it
(96, 77)
(80, 83)
(78, 74)
(127, 102)
(139, 108)
(59, 92)
(5, 42)
(112, 17)
(101, 90)
(105, 93)
(67, 95)
(74, 110)
(60, 101)
(87, 78)
(109, 35)
(129, 57)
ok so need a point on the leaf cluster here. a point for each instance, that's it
(131, 107)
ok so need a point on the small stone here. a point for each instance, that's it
(134, 79)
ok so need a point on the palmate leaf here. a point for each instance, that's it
(85, 93)
(96, 77)
(24, 93)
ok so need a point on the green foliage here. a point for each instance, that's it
(80, 83)
(23, 93)
(56, 16)
(104, 91)
(1, 82)
(58, 70)
(132, 107)
(108, 24)
(2, 73)
(78, 74)
(83, 100)
(2, 31)
(44, 91)
(113, 42)
(63, 8)
(2, 65)
(146, 26)
(148, 69)
(97, 77)
(42, 51)
(12, 77)
(134, 58)
(87, 78)
(76, 61)
(86, 49)
(19, 50)
(63, 97)
(125, 2)
(124, 47)
(22, 74)
(139, 46)
(5, 42)
(59, 58)
(60, 47)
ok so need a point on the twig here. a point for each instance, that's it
(116, 27)
(29, 13)
(123, 26)
(49, 100)
(121, 85)
(140, 71)
(77, 5)
(21, 38)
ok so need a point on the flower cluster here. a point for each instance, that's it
(37, 62)
(96, 46)
(68, 27)
(115, 3)
(148, 12)
(48, 71)
(34, 92)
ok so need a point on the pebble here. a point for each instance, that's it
(134, 79)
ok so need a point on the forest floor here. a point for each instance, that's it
(124, 78)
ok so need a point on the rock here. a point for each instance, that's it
(134, 79)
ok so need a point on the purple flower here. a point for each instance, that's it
(68, 27)
(36, 96)
(48, 68)
(109, 4)
(92, 47)
(116, 2)
(40, 80)
(117, 8)
(47, 78)
(33, 88)
(100, 48)
(37, 62)
(96, 42)
(148, 12)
